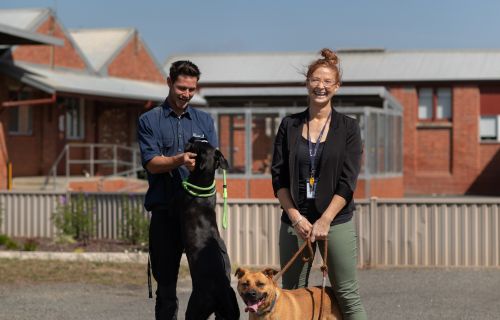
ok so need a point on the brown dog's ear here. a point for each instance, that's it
(240, 272)
(269, 272)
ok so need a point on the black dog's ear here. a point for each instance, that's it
(188, 146)
(221, 161)
(269, 272)
(240, 272)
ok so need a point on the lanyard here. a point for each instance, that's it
(313, 152)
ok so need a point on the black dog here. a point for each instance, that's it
(205, 250)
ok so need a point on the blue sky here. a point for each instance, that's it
(171, 27)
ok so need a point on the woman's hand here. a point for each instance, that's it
(320, 229)
(303, 228)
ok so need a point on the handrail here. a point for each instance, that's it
(114, 161)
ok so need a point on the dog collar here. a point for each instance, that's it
(271, 307)
(196, 189)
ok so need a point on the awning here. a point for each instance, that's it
(377, 91)
(52, 81)
(12, 36)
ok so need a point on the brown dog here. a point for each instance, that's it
(265, 300)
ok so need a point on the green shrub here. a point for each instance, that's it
(75, 218)
(4, 239)
(12, 245)
(134, 225)
(30, 245)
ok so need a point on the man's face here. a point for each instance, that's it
(182, 90)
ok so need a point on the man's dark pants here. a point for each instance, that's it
(165, 249)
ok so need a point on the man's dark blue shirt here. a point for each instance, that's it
(162, 132)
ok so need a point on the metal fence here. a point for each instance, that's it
(402, 232)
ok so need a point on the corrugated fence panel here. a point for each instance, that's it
(402, 232)
(252, 234)
(28, 214)
(436, 232)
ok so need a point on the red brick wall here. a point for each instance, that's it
(25, 151)
(64, 56)
(433, 153)
(391, 187)
(408, 98)
(466, 153)
(490, 100)
(236, 188)
(441, 160)
(135, 62)
(488, 180)
(261, 189)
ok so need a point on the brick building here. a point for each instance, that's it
(89, 90)
(450, 104)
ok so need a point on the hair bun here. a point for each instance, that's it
(328, 54)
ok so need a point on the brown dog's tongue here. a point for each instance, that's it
(252, 308)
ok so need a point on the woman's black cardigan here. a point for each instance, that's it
(339, 164)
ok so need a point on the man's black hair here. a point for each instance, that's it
(184, 67)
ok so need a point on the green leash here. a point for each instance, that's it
(197, 191)
(188, 186)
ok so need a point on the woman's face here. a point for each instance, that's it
(322, 85)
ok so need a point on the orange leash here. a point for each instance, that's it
(307, 244)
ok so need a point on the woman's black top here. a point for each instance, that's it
(307, 207)
(339, 165)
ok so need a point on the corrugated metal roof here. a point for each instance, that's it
(60, 81)
(12, 36)
(100, 45)
(25, 19)
(357, 66)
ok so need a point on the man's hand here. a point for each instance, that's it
(189, 160)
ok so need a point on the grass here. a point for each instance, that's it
(15, 271)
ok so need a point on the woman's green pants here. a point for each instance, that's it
(341, 262)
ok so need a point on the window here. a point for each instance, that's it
(20, 118)
(74, 118)
(232, 140)
(489, 129)
(434, 104)
(264, 128)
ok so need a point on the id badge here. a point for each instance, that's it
(311, 189)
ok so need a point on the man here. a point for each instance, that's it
(162, 133)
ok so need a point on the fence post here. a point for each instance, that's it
(372, 260)
(114, 160)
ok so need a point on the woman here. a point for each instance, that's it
(316, 162)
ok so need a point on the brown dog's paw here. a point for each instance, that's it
(240, 272)
(270, 272)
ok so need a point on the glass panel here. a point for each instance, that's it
(362, 126)
(14, 120)
(391, 141)
(425, 103)
(264, 128)
(74, 118)
(399, 146)
(443, 110)
(371, 143)
(381, 147)
(488, 128)
(232, 140)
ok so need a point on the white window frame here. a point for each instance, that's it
(437, 111)
(71, 132)
(497, 118)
